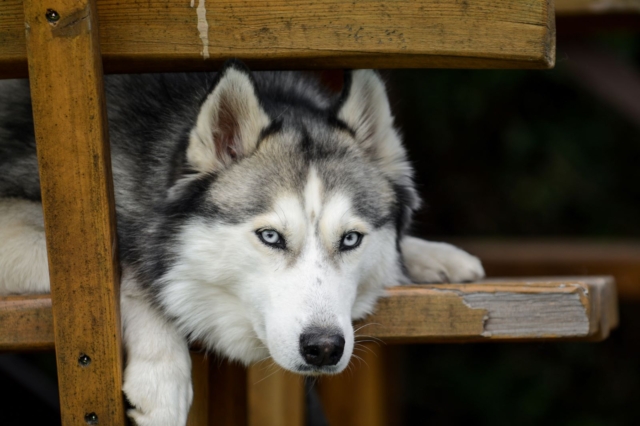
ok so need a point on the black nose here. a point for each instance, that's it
(321, 347)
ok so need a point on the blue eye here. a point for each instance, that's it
(271, 238)
(350, 241)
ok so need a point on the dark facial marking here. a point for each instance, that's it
(341, 125)
(274, 127)
(191, 197)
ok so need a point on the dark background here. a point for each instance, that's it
(527, 154)
(499, 154)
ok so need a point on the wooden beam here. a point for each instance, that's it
(360, 396)
(274, 396)
(69, 113)
(574, 308)
(514, 309)
(261, 395)
(26, 323)
(553, 257)
(176, 35)
(228, 393)
(199, 411)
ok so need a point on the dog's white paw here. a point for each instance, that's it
(157, 378)
(430, 262)
(161, 392)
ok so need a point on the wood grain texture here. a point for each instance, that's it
(554, 257)
(162, 35)
(275, 396)
(574, 308)
(199, 411)
(228, 393)
(358, 397)
(583, 308)
(65, 72)
(26, 323)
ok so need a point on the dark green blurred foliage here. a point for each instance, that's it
(520, 152)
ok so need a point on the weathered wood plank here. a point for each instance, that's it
(65, 72)
(496, 309)
(574, 308)
(26, 323)
(186, 35)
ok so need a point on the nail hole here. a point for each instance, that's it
(84, 360)
(52, 16)
(91, 418)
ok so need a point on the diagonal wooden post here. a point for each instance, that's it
(65, 71)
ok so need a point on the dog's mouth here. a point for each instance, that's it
(310, 370)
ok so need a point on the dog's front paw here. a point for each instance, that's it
(429, 262)
(160, 392)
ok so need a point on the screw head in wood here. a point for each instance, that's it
(84, 360)
(52, 16)
(91, 418)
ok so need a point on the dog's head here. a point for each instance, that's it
(292, 212)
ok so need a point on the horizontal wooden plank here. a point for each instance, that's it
(189, 35)
(596, 7)
(557, 257)
(26, 323)
(508, 309)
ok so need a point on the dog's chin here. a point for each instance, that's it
(298, 366)
(310, 370)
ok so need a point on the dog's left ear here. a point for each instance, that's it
(229, 123)
(364, 107)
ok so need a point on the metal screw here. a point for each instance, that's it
(52, 16)
(91, 418)
(84, 360)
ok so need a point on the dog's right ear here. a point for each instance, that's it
(229, 123)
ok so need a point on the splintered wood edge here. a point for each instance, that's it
(572, 308)
(496, 310)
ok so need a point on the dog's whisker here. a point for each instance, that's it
(266, 377)
(263, 359)
(365, 325)
(368, 349)
(267, 366)
(369, 339)
(361, 360)
(365, 350)
(367, 342)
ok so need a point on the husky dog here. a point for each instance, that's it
(257, 214)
